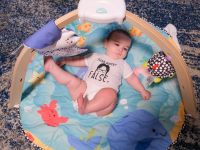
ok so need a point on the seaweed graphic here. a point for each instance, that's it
(98, 147)
(90, 136)
(68, 26)
(71, 148)
(151, 86)
(144, 59)
(83, 32)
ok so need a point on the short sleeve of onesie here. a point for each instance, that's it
(127, 70)
(89, 58)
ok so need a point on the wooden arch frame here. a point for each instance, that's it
(179, 64)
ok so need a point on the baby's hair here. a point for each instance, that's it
(118, 31)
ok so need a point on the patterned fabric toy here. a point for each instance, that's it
(65, 46)
(159, 66)
(50, 41)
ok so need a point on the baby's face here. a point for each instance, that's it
(118, 46)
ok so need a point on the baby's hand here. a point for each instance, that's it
(60, 62)
(145, 95)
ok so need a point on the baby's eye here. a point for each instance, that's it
(117, 44)
(125, 49)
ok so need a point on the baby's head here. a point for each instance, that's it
(117, 44)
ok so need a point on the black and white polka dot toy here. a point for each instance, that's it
(159, 66)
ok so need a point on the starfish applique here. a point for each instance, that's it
(37, 78)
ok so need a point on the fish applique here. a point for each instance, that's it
(84, 27)
(50, 115)
(81, 42)
(135, 31)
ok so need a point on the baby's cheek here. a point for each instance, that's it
(125, 53)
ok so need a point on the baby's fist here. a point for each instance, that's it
(60, 62)
(145, 95)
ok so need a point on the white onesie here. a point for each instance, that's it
(103, 72)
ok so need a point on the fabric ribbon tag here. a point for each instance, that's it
(150, 79)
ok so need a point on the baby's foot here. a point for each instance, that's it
(48, 63)
(81, 104)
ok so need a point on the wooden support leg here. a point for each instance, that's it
(18, 76)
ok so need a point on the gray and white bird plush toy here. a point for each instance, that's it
(65, 46)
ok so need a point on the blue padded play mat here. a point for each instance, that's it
(50, 121)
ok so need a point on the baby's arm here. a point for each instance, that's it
(77, 61)
(134, 81)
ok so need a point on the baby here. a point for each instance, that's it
(96, 94)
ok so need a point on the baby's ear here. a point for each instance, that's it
(105, 43)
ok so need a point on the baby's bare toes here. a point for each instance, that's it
(80, 100)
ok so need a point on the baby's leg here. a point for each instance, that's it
(103, 102)
(73, 84)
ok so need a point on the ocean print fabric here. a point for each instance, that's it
(50, 121)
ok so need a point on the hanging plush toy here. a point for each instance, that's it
(65, 46)
(159, 66)
(50, 41)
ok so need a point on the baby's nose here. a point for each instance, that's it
(120, 49)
